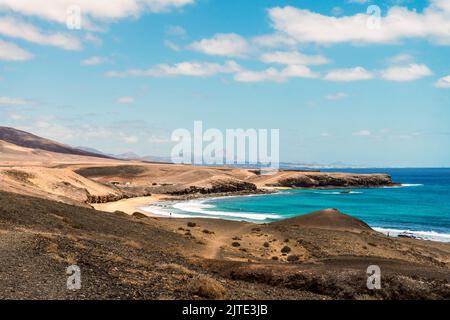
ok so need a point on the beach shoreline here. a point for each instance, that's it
(130, 205)
(145, 205)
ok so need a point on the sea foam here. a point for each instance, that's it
(201, 209)
(425, 235)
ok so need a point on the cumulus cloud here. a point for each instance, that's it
(274, 40)
(11, 52)
(275, 75)
(94, 60)
(50, 128)
(15, 28)
(305, 26)
(405, 73)
(293, 57)
(194, 69)
(222, 44)
(401, 58)
(443, 82)
(56, 10)
(350, 74)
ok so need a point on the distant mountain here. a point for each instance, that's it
(28, 140)
(157, 159)
(92, 150)
(128, 155)
(134, 156)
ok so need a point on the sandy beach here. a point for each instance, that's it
(130, 206)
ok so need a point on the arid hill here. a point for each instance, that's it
(35, 166)
(325, 219)
(137, 257)
(28, 140)
(47, 223)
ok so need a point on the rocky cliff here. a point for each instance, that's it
(323, 180)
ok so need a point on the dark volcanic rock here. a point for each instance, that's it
(329, 180)
(230, 186)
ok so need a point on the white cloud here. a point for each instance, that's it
(94, 60)
(222, 44)
(125, 100)
(11, 52)
(443, 82)
(49, 128)
(273, 40)
(362, 133)
(293, 57)
(14, 28)
(56, 10)
(399, 22)
(401, 58)
(405, 73)
(275, 75)
(350, 74)
(270, 74)
(194, 69)
(8, 101)
(337, 96)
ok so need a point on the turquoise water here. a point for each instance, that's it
(420, 206)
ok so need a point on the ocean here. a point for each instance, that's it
(421, 206)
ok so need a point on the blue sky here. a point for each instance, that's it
(340, 84)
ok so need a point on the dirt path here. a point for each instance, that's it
(214, 247)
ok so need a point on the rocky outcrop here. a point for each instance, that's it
(230, 186)
(112, 197)
(341, 181)
(104, 198)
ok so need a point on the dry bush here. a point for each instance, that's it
(19, 175)
(133, 244)
(207, 287)
(177, 268)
